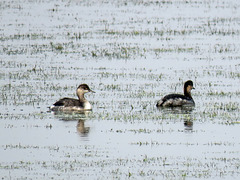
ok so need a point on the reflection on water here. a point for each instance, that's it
(82, 130)
(71, 115)
(177, 110)
(188, 125)
(79, 116)
(184, 111)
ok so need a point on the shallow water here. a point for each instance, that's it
(131, 53)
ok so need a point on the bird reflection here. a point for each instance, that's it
(186, 111)
(71, 115)
(82, 130)
(177, 110)
(79, 116)
(188, 125)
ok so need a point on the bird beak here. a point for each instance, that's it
(92, 91)
(193, 87)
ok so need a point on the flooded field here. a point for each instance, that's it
(131, 53)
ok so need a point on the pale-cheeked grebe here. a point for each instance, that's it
(70, 104)
(173, 100)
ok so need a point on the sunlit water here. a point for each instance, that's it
(131, 53)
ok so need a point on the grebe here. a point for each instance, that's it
(173, 100)
(70, 104)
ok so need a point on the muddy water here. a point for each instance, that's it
(131, 53)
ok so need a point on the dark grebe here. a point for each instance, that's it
(70, 104)
(173, 100)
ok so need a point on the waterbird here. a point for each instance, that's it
(70, 104)
(174, 100)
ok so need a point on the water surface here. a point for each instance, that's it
(131, 53)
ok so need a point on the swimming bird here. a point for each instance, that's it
(70, 104)
(173, 100)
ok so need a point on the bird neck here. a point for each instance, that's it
(187, 93)
(81, 97)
